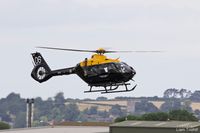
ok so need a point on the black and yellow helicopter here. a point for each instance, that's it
(98, 71)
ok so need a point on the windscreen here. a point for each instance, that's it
(100, 69)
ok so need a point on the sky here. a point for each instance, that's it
(168, 25)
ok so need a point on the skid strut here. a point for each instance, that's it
(111, 88)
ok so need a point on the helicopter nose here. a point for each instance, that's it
(133, 72)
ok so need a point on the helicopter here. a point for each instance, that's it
(98, 71)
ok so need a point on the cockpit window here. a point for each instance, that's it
(122, 67)
(100, 69)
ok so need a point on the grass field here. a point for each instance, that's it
(195, 106)
(114, 102)
(101, 124)
(106, 105)
(158, 104)
(83, 106)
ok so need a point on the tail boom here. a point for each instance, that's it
(42, 72)
(65, 71)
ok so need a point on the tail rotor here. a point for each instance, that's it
(41, 71)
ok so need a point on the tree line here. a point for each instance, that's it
(174, 115)
(58, 108)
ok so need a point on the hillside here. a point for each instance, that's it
(106, 105)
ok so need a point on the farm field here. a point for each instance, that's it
(106, 105)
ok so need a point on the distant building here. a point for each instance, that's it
(155, 127)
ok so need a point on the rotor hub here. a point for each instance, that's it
(100, 51)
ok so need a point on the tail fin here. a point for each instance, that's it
(41, 71)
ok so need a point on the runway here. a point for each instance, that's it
(71, 129)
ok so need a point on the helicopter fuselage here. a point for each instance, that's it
(98, 71)
(108, 73)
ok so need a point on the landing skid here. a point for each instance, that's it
(110, 88)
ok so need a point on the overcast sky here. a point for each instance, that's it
(169, 25)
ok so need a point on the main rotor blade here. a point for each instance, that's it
(117, 51)
(136, 51)
(75, 50)
(143, 51)
(99, 51)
